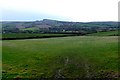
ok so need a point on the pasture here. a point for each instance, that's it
(13, 36)
(108, 33)
(63, 57)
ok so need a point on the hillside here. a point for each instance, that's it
(54, 26)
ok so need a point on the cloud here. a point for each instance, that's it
(75, 10)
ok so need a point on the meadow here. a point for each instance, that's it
(13, 36)
(63, 57)
(108, 33)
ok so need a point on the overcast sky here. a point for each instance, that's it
(67, 10)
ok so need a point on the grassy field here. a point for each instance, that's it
(30, 29)
(0, 59)
(66, 57)
(109, 33)
(27, 35)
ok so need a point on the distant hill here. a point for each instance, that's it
(54, 26)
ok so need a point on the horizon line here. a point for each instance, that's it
(50, 19)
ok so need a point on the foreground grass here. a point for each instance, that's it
(67, 57)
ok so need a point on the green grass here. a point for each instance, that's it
(31, 29)
(71, 57)
(0, 58)
(27, 35)
(109, 33)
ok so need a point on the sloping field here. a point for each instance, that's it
(66, 57)
(108, 33)
(15, 36)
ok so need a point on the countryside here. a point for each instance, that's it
(59, 49)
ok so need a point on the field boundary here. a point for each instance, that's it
(37, 37)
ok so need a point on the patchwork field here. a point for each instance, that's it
(63, 57)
